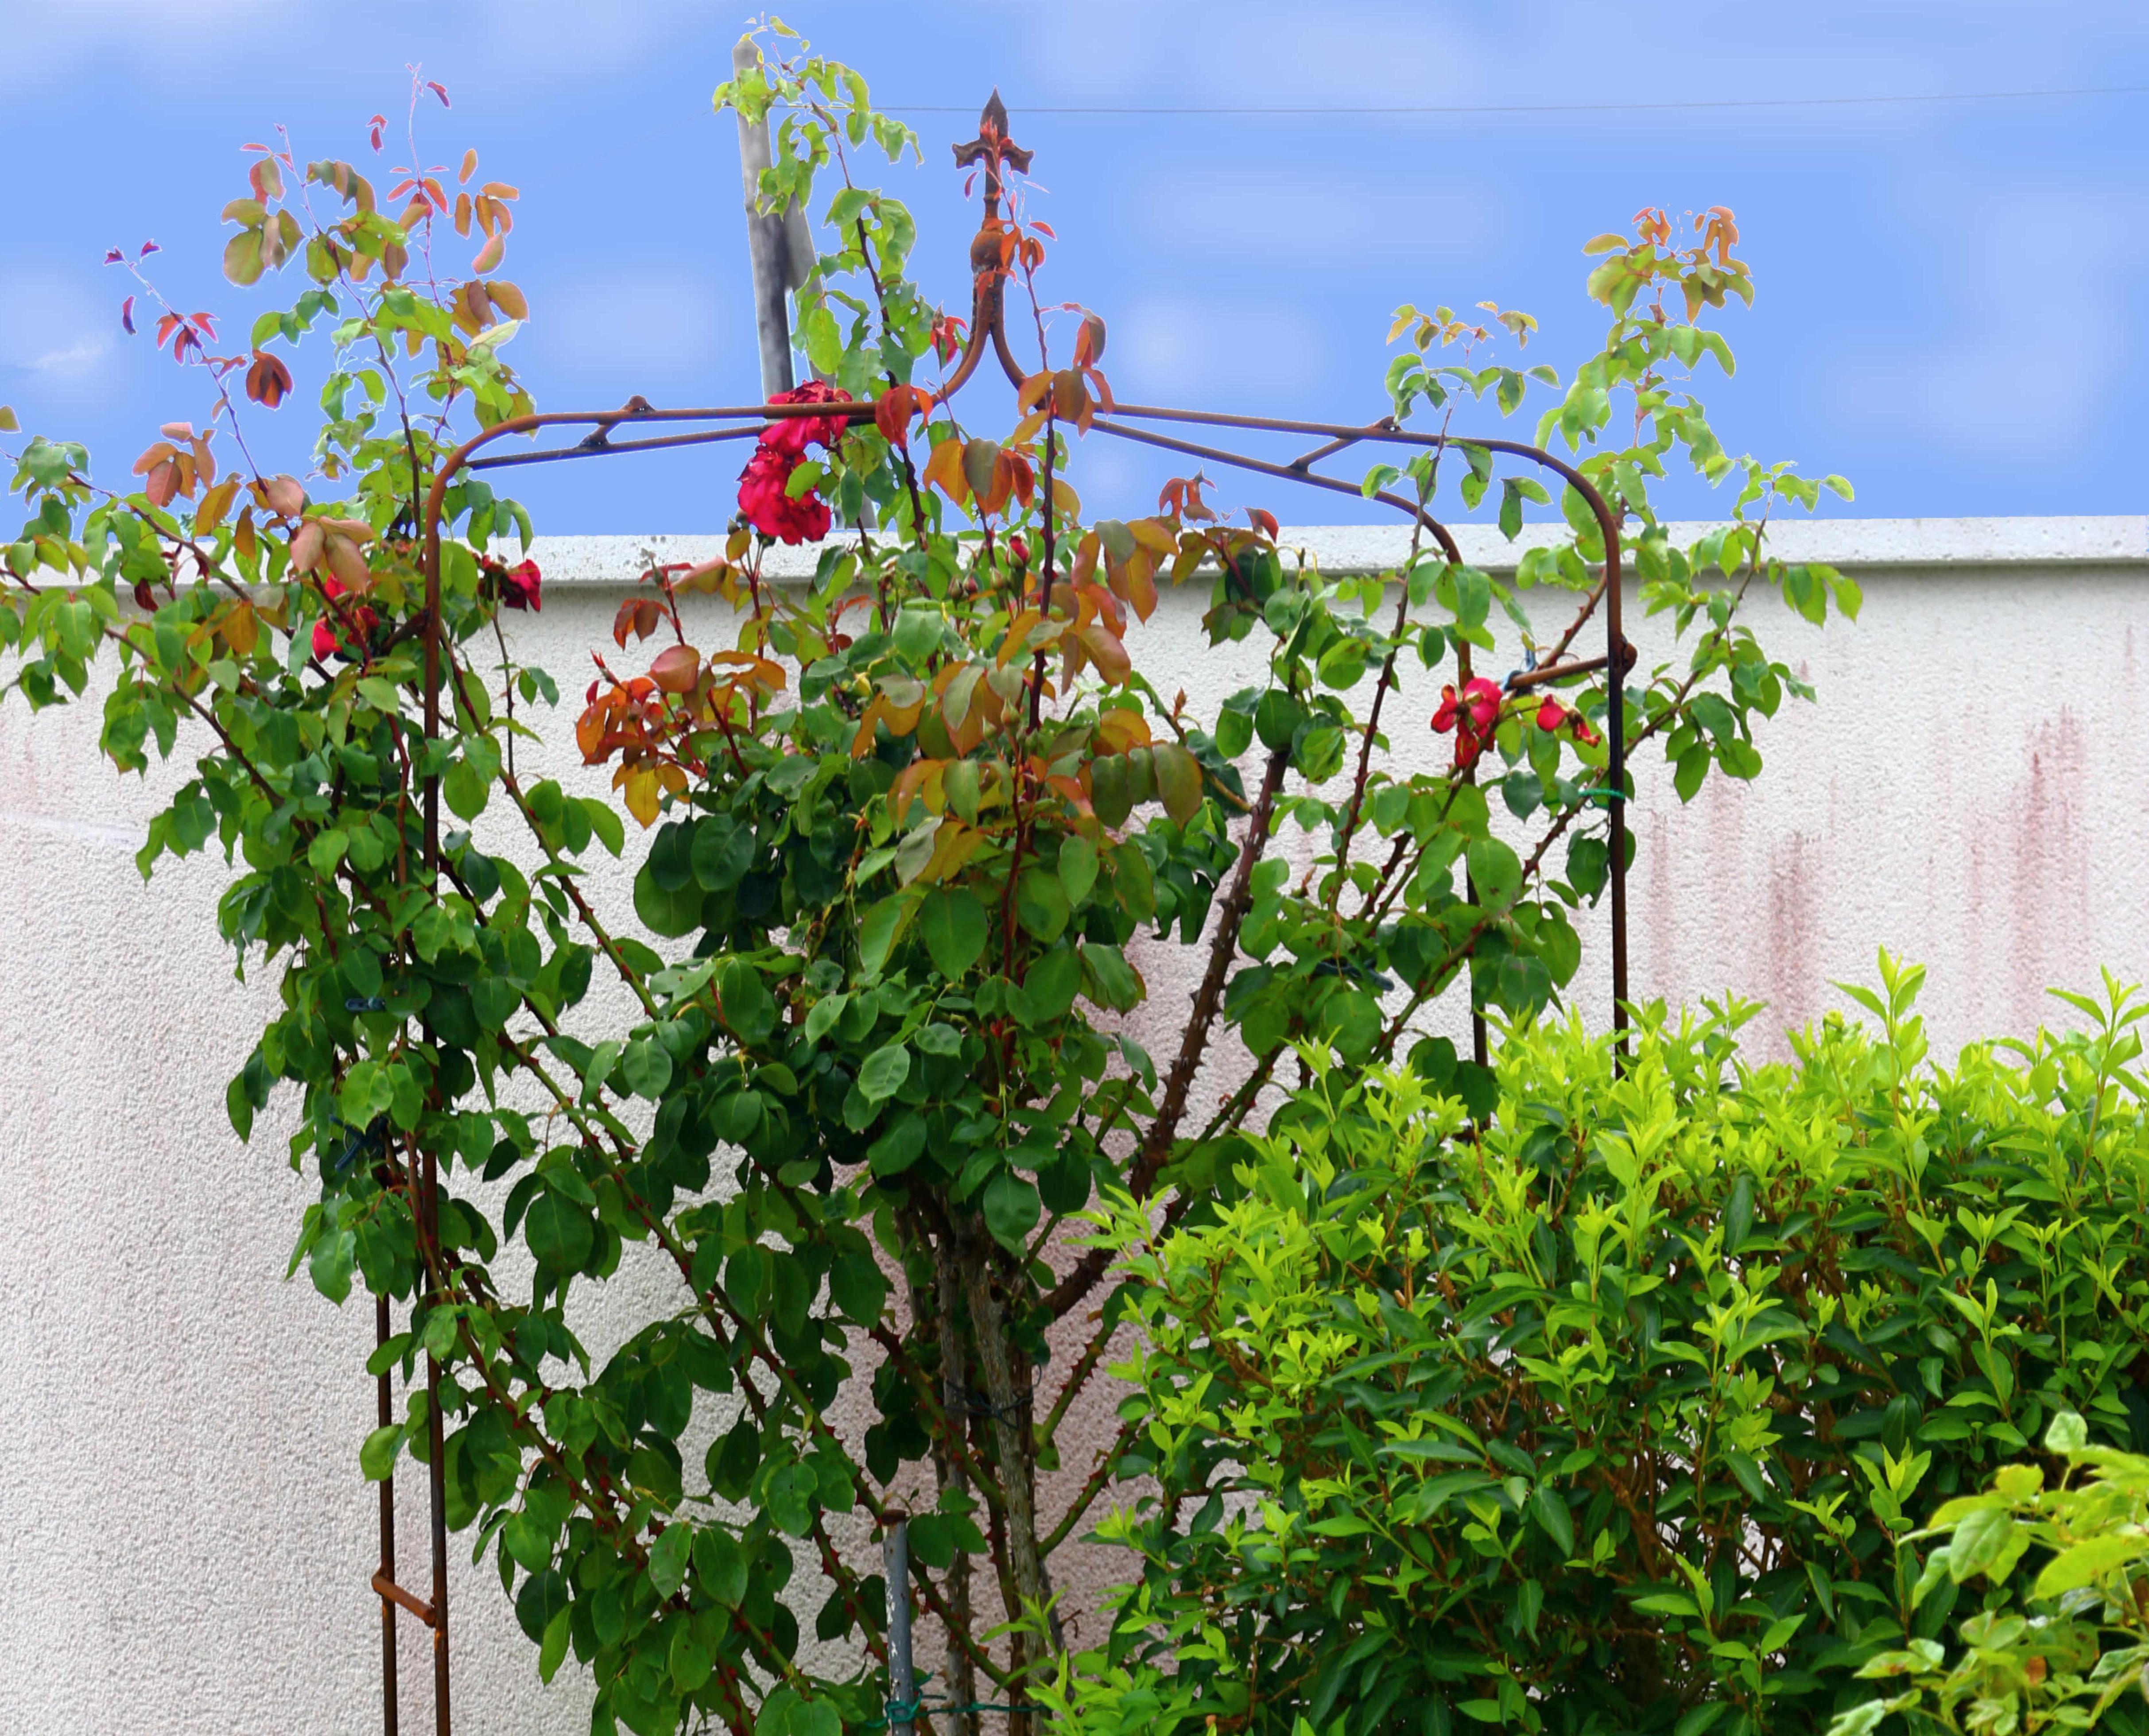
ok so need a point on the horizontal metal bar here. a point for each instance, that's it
(589, 450)
(1553, 671)
(395, 1594)
(1343, 443)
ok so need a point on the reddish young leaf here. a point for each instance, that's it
(267, 381)
(282, 495)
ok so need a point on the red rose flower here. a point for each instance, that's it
(764, 499)
(520, 585)
(328, 642)
(1551, 715)
(1483, 698)
(793, 435)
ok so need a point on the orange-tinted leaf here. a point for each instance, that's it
(944, 469)
(346, 561)
(1107, 652)
(1119, 730)
(241, 628)
(490, 254)
(510, 301)
(1069, 396)
(641, 791)
(215, 505)
(469, 167)
(1090, 342)
(676, 668)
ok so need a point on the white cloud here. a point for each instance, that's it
(1309, 214)
(632, 323)
(2031, 337)
(54, 324)
(1203, 342)
(1252, 51)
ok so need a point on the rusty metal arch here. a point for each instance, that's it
(988, 332)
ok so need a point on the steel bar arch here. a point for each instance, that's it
(988, 334)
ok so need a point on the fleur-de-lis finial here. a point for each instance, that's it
(992, 146)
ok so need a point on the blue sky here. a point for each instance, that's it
(1952, 303)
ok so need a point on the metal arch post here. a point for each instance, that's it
(992, 149)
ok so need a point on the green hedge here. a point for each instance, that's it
(1617, 1414)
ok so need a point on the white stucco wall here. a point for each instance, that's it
(185, 1537)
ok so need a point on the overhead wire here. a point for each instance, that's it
(1444, 108)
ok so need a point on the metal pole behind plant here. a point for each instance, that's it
(902, 1679)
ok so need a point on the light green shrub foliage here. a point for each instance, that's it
(2063, 1638)
(1621, 1411)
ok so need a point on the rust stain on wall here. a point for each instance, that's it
(2051, 862)
(1794, 909)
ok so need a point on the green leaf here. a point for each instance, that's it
(883, 1073)
(1177, 780)
(1496, 872)
(1011, 1209)
(542, 1599)
(1050, 985)
(720, 1565)
(823, 1016)
(377, 1457)
(1981, 1536)
(646, 1068)
(1550, 1506)
(877, 933)
(561, 1234)
(1041, 904)
(2067, 1432)
(671, 914)
(552, 1652)
(1078, 867)
(2088, 1561)
(668, 1556)
(326, 852)
(749, 1010)
(822, 343)
(722, 852)
(918, 627)
(952, 921)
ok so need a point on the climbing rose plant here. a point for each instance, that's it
(911, 838)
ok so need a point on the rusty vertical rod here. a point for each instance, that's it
(1615, 737)
(386, 1411)
(436, 1469)
(428, 1212)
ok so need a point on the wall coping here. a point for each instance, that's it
(1907, 544)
